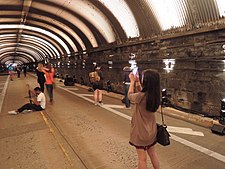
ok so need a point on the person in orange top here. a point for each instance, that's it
(49, 75)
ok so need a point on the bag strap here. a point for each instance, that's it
(162, 116)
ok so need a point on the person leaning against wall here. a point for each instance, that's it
(143, 123)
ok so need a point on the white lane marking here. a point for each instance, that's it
(70, 88)
(183, 130)
(114, 106)
(199, 148)
(116, 112)
(89, 95)
(105, 107)
(2, 95)
(173, 137)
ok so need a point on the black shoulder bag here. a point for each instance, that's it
(162, 133)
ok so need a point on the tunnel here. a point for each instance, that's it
(183, 40)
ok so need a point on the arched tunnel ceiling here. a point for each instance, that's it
(36, 30)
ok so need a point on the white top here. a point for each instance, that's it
(41, 99)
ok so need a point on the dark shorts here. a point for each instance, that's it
(143, 147)
(97, 86)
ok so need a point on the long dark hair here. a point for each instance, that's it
(151, 87)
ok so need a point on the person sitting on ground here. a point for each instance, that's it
(36, 105)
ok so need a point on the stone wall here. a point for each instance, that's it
(197, 81)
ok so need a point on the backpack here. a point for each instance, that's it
(94, 77)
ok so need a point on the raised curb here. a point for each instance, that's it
(192, 118)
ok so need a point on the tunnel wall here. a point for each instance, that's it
(196, 83)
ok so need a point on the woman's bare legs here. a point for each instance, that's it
(142, 159)
(96, 96)
(100, 95)
(154, 157)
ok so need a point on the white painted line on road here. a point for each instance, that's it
(105, 107)
(116, 112)
(70, 88)
(89, 95)
(183, 130)
(3, 93)
(114, 106)
(199, 148)
(173, 137)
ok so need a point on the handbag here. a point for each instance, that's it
(163, 136)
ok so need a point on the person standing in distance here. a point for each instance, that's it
(40, 76)
(10, 70)
(25, 70)
(98, 86)
(126, 82)
(18, 70)
(143, 124)
(49, 74)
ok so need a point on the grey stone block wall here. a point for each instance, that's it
(197, 81)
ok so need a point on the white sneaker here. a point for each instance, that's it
(12, 112)
(26, 111)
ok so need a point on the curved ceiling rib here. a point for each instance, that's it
(9, 55)
(89, 12)
(56, 34)
(48, 45)
(9, 41)
(65, 26)
(50, 29)
(36, 29)
(39, 49)
(11, 16)
(124, 15)
(72, 37)
(49, 52)
(52, 46)
(35, 54)
(70, 18)
(49, 40)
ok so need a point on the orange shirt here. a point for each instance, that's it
(49, 76)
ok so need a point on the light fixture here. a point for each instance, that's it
(222, 112)
(110, 64)
(169, 64)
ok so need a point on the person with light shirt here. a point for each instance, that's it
(37, 104)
